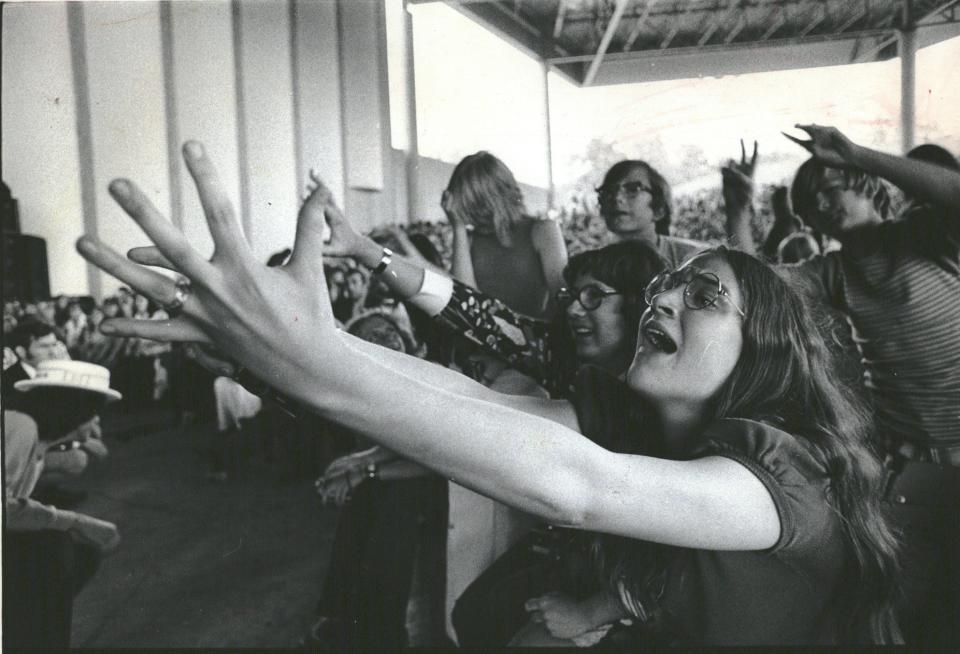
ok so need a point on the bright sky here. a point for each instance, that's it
(475, 91)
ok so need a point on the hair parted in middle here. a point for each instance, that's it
(485, 192)
(662, 194)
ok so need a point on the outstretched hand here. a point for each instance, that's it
(319, 205)
(269, 319)
(828, 145)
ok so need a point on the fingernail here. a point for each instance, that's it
(120, 187)
(193, 149)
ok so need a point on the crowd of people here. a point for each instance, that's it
(746, 437)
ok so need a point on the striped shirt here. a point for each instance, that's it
(899, 285)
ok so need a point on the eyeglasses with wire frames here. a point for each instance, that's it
(630, 190)
(701, 289)
(590, 296)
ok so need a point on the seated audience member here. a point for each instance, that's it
(387, 503)
(32, 342)
(510, 255)
(96, 347)
(897, 278)
(75, 326)
(49, 553)
(637, 204)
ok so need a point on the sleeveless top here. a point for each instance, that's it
(513, 275)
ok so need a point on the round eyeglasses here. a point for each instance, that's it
(590, 296)
(701, 289)
(630, 190)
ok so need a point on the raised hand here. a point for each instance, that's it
(271, 320)
(340, 238)
(828, 145)
(446, 203)
(738, 179)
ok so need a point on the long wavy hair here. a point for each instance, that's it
(662, 201)
(788, 375)
(485, 192)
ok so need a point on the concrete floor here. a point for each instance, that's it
(201, 564)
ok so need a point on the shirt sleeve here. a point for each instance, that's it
(25, 514)
(524, 343)
(796, 482)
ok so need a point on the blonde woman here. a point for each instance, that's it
(510, 254)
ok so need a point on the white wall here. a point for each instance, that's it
(39, 158)
(100, 90)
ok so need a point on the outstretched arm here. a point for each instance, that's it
(278, 322)
(925, 181)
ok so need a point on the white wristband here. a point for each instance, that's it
(434, 294)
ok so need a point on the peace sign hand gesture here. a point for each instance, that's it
(738, 180)
(828, 145)
(269, 319)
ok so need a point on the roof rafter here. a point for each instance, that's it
(605, 41)
(641, 21)
(558, 22)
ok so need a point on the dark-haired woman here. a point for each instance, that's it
(756, 474)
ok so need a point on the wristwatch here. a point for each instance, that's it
(372, 471)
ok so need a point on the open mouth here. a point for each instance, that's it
(658, 338)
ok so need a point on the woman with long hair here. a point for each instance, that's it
(510, 255)
(753, 469)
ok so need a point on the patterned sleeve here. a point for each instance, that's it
(524, 343)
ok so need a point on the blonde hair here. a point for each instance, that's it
(484, 191)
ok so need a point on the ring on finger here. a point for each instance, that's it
(181, 291)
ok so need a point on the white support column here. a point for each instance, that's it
(907, 45)
(548, 136)
(413, 150)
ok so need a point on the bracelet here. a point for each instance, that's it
(372, 471)
(385, 260)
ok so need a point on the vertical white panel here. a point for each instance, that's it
(366, 129)
(203, 85)
(317, 93)
(267, 123)
(39, 138)
(127, 114)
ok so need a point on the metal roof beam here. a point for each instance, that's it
(819, 18)
(641, 20)
(734, 5)
(777, 23)
(605, 41)
(558, 22)
(736, 30)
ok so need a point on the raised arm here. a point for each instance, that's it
(462, 264)
(279, 323)
(924, 181)
(552, 250)
(738, 189)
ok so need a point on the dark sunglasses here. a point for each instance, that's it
(701, 289)
(630, 189)
(590, 296)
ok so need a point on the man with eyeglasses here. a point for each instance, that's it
(637, 205)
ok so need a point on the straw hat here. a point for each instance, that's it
(70, 374)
